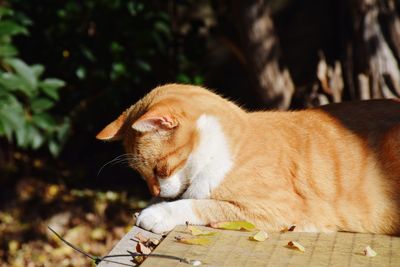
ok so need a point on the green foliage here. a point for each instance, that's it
(25, 97)
(113, 45)
(111, 52)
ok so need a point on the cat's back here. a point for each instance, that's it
(364, 117)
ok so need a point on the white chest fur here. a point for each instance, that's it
(210, 162)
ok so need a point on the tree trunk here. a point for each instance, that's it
(372, 54)
(261, 46)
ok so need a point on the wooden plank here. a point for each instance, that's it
(127, 243)
(233, 248)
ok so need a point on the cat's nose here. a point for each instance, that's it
(154, 186)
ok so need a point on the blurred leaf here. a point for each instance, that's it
(61, 13)
(63, 130)
(81, 72)
(7, 50)
(54, 148)
(13, 246)
(24, 71)
(118, 69)
(8, 27)
(37, 70)
(13, 82)
(4, 11)
(98, 233)
(41, 104)
(163, 27)
(37, 138)
(2, 129)
(143, 65)
(183, 78)
(134, 8)
(88, 54)
(52, 83)
(43, 121)
(22, 136)
(116, 48)
(198, 80)
(50, 87)
(5, 127)
(10, 121)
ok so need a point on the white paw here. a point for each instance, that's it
(157, 218)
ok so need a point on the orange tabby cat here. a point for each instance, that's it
(325, 169)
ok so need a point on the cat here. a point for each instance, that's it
(326, 169)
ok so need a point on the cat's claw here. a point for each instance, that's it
(156, 218)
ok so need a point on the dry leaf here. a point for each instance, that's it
(141, 248)
(290, 229)
(141, 238)
(199, 232)
(139, 259)
(98, 234)
(260, 236)
(296, 245)
(195, 263)
(194, 241)
(154, 241)
(369, 252)
(238, 225)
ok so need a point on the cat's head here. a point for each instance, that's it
(159, 134)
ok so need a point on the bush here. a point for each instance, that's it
(26, 99)
(111, 52)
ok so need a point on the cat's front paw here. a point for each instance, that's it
(157, 218)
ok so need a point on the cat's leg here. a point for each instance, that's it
(163, 217)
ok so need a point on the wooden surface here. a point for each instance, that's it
(233, 248)
(127, 243)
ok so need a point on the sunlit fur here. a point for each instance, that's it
(325, 169)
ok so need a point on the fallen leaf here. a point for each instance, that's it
(13, 246)
(260, 236)
(98, 234)
(154, 241)
(236, 225)
(290, 229)
(141, 238)
(141, 248)
(139, 259)
(296, 245)
(199, 232)
(195, 263)
(194, 241)
(369, 252)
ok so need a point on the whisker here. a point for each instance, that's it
(115, 161)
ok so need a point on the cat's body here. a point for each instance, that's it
(327, 169)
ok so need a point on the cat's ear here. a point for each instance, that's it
(112, 131)
(154, 121)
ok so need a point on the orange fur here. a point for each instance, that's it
(325, 169)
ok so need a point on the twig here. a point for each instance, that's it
(98, 259)
(94, 258)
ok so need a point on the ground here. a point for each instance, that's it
(92, 219)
